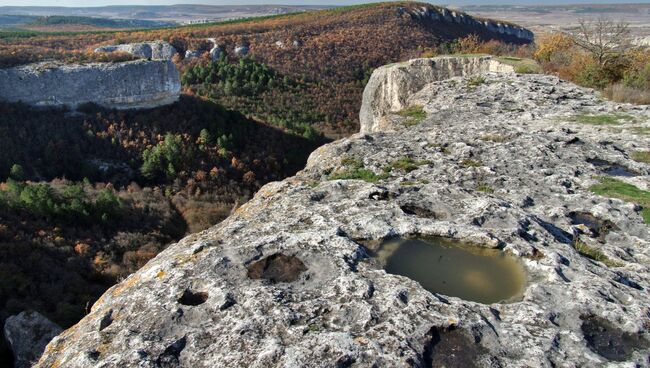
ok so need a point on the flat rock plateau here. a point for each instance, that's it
(499, 160)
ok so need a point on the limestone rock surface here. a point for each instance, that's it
(192, 54)
(133, 84)
(389, 86)
(241, 50)
(286, 281)
(27, 334)
(155, 50)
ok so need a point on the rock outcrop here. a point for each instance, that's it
(503, 161)
(134, 84)
(241, 50)
(193, 54)
(155, 50)
(505, 30)
(390, 86)
(27, 334)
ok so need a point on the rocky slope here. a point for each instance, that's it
(499, 160)
(134, 84)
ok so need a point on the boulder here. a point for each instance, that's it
(133, 84)
(241, 50)
(155, 50)
(27, 334)
(215, 52)
(192, 54)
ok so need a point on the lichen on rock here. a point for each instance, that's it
(497, 161)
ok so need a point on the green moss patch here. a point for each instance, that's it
(613, 188)
(470, 163)
(601, 119)
(413, 114)
(641, 156)
(484, 187)
(475, 81)
(353, 170)
(405, 164)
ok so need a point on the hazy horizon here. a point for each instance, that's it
(101, 3)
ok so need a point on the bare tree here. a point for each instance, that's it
(603, 38)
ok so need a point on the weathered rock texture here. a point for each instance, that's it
(155, 50)
(390, 86)
(285, 282)
(27, 334)
(134, 84)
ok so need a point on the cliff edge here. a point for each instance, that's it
(521, 164)
(134, 84)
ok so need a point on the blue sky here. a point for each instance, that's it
(85, 3)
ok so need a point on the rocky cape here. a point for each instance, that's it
(498, 160)
(133, 84)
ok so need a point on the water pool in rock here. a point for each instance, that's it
(449, 267)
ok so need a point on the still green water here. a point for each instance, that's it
(448, 267)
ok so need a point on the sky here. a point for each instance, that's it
(89, 3)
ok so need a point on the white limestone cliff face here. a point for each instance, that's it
(286, 280)
(154, 50)
(390, 86)
(134, 84)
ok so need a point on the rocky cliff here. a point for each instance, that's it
(504, 161)
(135, 84)
(507, 31)
(390, 86)
(155, 50)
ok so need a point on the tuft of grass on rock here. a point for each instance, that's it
(484, 187)
(601, 119)
(595, 254)
(405, 164)
(614, 188)
(354, 170)
(475, 81)
(413, 114)
(641, 156)
(497, 138)
(470, 163)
